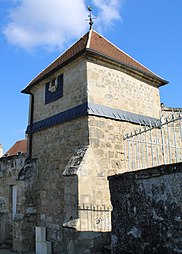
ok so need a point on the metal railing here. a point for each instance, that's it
(151, 146)
(95, 217)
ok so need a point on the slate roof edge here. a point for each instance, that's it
(86, 109)
(121, 115)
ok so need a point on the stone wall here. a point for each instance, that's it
(109, 86)
(17, 219)
(25, 217)
(146, 215)
(9, 169)
(106, 140)
(74, 91)
(53, 148)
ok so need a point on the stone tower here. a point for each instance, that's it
(80, 107)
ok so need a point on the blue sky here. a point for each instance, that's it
(35, 32)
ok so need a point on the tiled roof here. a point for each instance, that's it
(103, 46)
(19, 147)
(95, 43)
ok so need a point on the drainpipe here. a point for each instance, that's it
(29, 154)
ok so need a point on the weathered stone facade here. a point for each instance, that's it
(9, 169)
(109, 85)
(75, 91)
(146, 215)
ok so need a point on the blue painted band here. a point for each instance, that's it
(92, 109)
(62, 117)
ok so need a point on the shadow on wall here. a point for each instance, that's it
(147, 211)
(87, 242)
(5, 228)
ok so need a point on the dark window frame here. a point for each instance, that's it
(56, 93)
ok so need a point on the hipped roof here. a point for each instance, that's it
(93, 42)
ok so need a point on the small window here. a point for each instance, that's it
(54, 89)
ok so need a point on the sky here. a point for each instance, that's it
(33, 33)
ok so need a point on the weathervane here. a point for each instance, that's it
(90, 8)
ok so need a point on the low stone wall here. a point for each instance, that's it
(5, 230)
(147, 208)
(9, 169)
(17, 213)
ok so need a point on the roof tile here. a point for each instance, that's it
(67, 55)
(19, 147)
(103, 46)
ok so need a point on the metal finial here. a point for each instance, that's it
(90, 8)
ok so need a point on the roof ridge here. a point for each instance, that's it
(89, 39)
(127, 55)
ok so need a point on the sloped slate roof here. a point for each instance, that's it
(19, 147)
(97, 44)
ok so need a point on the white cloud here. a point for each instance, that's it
(50, 24)
(46, 23)
(109, 11)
